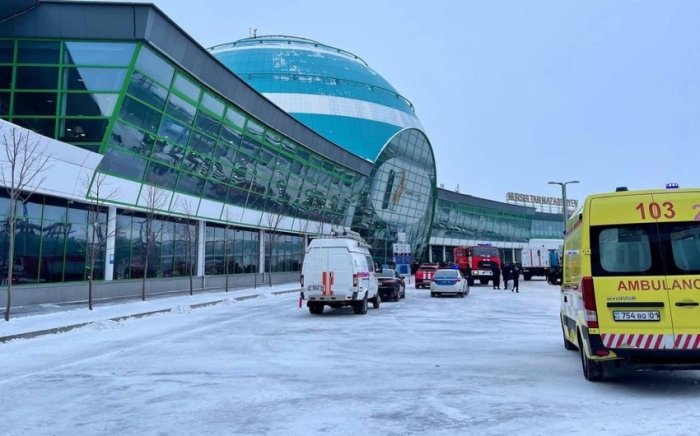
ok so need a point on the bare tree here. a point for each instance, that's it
(154, 199)
(21, 172)
(188, 211)
(273, 220)
(100, 193)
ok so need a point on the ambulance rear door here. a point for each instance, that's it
(679, 226)
(632, 300)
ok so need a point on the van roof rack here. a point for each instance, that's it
(343, 233)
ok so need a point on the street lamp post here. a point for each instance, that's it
(564, 210)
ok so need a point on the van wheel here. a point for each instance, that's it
(567, 343)
(376, 301)
(315, 308)
(592, 370)
(360, 307)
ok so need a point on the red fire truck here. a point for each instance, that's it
(476, 262)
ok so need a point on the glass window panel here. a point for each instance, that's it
(146, 89)
(76, 215)
(37, 78)
(251, 147)
(174, 131)
(82, 130)
(122, 164)
(140, 115)
(273, 137)
(91, 105)
(93, 79)
(220, 173)
(289, 145)
(35, 103)
(161, 175)
(6, 77)
(255, 129)
(98, 53)
(187, 87)
(207, 123)
(190, 184)
(4, 103)
(196, 163)
(225, 154)
(230, 136)
(168, 153)
(215, 191)
(132, 139)
(38, 52)
(213, 104)
(235, 117)
(180, 109)
(42, 126)
(7, 52)
(202, 144)
(155, 67)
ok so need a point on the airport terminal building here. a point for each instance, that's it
(222, 161)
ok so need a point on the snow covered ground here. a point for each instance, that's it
(492, 363)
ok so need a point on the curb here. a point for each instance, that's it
(30, 335)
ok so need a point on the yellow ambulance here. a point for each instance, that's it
(631, 281)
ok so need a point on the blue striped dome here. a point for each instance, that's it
(330, 90)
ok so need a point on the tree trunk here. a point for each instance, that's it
(90, 276)
(11, 259)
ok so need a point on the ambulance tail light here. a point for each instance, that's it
(354, 280)
(588, 294)
(301, 280)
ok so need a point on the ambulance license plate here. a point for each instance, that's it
(315, 288)
(640, 315)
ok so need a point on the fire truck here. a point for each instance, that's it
(476, 262)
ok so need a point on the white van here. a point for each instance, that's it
(339, 271)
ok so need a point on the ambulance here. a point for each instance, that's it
(631, 281)
(338, 271)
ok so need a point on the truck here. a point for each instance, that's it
(476, 262)
(535, 261)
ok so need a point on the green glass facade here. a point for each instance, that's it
(157, 125)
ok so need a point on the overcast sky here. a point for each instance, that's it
(513, 94)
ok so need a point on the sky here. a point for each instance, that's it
(492, 363)
(514, 94)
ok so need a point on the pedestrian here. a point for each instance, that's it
(506, 275)
(516, 277)
(496, 271)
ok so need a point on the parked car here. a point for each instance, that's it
(424, 275)
(449, 282)
(391, 285)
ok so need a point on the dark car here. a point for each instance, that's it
(391, 285)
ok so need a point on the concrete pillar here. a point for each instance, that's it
(201, 243)
(261, 259)
(111, 237)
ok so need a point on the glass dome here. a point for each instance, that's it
(332, 91)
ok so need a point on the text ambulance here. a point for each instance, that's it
(631, 281)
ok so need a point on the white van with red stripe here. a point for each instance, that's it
(339, 271)
(631, 281)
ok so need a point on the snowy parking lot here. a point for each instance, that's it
(490, 363)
